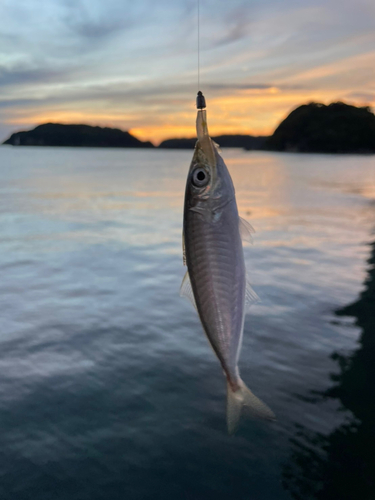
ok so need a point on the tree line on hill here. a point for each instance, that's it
(310, 128)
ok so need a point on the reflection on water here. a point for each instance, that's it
(341, 465)
(108, 387)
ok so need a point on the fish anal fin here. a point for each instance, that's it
(186, 290)
(246, 231)
(183, 249)
(250, 296)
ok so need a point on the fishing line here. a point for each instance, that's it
(198, 2)
(201, 103)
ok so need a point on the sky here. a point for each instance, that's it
(134, 64)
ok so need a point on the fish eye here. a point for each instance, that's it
(200, 177)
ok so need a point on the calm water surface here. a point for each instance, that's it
(109, 389)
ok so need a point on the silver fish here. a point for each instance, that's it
(216, 281)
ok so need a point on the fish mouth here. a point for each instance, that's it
(204, 139)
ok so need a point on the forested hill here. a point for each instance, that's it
(57, 134)
(310, 128)
(317, 128)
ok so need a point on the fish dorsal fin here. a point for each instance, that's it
(250, 296)
(246, 230)
(186, 290)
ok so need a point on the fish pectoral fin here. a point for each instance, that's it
(216, 146)
(246, 230)
(187, 291)
(250, 296)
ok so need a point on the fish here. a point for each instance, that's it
(216, 281)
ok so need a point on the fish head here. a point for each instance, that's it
(209, 185)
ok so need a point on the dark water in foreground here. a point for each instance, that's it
(109, 389)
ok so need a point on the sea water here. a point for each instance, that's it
(109, 389)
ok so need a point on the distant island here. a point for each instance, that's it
(316, 128)
(57, 134)
(310, 128)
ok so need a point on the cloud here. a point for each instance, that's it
(239, 86)
(94, 21)
(17, 103)
(133, 63)
(236, 27)
(361, 96)
(22, 74)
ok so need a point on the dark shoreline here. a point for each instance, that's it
(338, 128)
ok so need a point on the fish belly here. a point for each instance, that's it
(215, 261)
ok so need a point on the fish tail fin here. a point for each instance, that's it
(243, 400)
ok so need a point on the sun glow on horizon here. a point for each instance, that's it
(259, 61)
(250, 111)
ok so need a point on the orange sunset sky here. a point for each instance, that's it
(133, 65)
